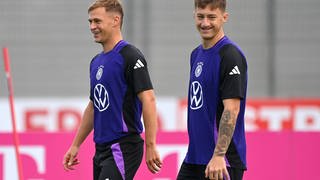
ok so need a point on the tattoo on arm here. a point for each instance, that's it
(226, 129)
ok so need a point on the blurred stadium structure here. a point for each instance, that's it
(51, 45)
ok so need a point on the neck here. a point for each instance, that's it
(109, 45)
(208, 43)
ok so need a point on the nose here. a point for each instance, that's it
(205, 22)
(92, 26)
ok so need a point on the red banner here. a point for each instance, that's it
(300, 115)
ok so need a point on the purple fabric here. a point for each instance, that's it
(124, 125)
(118, 158)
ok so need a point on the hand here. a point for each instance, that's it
(217, 169)
(70, 159)
(153, 160)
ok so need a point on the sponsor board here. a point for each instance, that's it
(64, 114)
(270, 155)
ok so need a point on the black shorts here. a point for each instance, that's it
(197, 172)
(118, 160)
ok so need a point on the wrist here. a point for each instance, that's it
(219, 154)
(75, 146)
(150, 144)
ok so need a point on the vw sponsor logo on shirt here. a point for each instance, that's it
(101, 97)
(99, 73)
(196, 95)
(198, 70)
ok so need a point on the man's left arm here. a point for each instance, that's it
(150, 122)
(216, 168)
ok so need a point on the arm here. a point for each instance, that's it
(85, 128)
(150, 122)
(216, 168)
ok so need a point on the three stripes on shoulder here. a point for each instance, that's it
(234, 71)
(138, 64)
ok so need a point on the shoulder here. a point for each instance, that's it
(232, 61)
(230, 48)
(195, 51)
(194, 54)
(132, 57)
(94, 58)
(231, 53)
(130, 52)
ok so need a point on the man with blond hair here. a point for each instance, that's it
(120, 91)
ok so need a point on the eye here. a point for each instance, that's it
(200, 17)
(211, 17)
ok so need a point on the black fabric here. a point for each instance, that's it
(138, 78)
(104, 165)
(232, 86)
(197, 172)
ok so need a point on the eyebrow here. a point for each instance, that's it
(94, 19)
(204, 14)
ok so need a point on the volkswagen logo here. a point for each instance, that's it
(196, 96)
(101, 97)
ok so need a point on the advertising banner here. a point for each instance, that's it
(64, 114)
(270, 155)
(282, 138)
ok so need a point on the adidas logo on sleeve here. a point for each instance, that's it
(234, 71)
(138, 64)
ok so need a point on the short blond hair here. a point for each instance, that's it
(110, 6)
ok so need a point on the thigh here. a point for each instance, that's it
(191, 172)
(104, 167)
(235, 173)
(132, 155)
(96, 168)
(110, 171)
(120, 160)
(123, 163)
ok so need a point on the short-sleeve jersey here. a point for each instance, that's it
(217, 73)
(116, 77)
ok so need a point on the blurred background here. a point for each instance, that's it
(51, 46)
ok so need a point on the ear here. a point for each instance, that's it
(116, 20)
(225, 16)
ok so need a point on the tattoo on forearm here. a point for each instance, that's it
(226, 129)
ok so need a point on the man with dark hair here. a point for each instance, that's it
(216, 100)
(120, 90)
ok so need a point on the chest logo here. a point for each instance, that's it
(99, 73)
(101, 97)
(196, 95)
(198, 70)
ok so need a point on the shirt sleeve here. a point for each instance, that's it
(136, 69)
(233, 73)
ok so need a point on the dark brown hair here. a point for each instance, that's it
(221, 4)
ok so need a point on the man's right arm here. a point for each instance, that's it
(85, 128)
